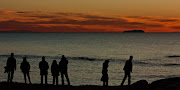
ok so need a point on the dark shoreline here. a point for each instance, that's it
(163, 84)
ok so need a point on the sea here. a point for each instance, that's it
(156, 55)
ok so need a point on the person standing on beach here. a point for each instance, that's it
(104, 77)
(10, 67)
(63, 69)
(127, 70)
(25, 67)
(43, 66)
(55, 71)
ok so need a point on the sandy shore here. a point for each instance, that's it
(163, 84)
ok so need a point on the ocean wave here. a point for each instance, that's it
(140, 63)
(58, 57)
(159, 76)
(156, 64)
(172, 64)
(21, 56)
(83, 58)
(173, 56)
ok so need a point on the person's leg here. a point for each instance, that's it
(24, 77)
(107, 80)
(53, 80)
(125, 76)
(56, 80)
(41, 79)
(129, 78)
(12, 75)
(46, 79)
(103, 83)
(62, 78)
(29, 77)
(67, 78)
(8, 80)
(107, 83)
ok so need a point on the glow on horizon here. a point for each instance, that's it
(90, 15)
(78, 22)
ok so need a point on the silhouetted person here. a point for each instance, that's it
(25, 67)
(127, 70)
(104, 77)
(63, 69)
(10, 67)
(43, 66)
(55, 71)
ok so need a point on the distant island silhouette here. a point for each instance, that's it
(134, 31)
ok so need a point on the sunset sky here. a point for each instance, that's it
(89, 15)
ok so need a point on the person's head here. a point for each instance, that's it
(43, 58)
(63, 56)
(130, 58)
(24, 59)
(12, 54)
(107, 61)
(54, 61)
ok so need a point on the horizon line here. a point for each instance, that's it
(77, 32)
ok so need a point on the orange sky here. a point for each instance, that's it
(89, 15)
(78, 22)
(165, 8)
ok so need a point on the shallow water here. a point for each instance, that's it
(86, 53)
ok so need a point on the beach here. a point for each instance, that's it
(162, 84)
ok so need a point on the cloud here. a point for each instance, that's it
(112, 22)
(96, 17)
(21, 12)
(166, 20)
(11, 24)
(43, 16)
(15, 26)
(78, 22)
(157, 19)
(175, 27)
(140, 17)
